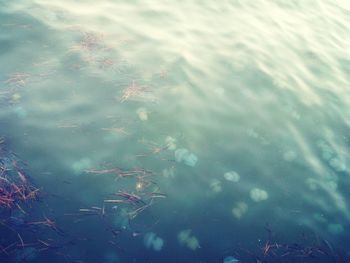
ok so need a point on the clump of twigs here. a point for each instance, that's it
(304, 251)
(17, 194)
(138, 199)
(16, 81)
(88, 42)
(155, 148)
(20, 240)
(132, 91)
(95, 52)
(15, 186)
(125, 204)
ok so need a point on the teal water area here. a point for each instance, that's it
(223, 126)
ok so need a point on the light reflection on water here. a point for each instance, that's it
(256, 88)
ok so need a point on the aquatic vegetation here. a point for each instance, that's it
(155, 148)
(124, 205)
(185, 156)
(239, 209)
(89, 41)
(105, 63)
(142, 113)
(122, 173)
(18, 195)
(232, 176)
(185, 238)
(133, 90)
(306, 251)
(15, 186)
(152, 241)
(99, 211)
(48, 223)
(258, 195)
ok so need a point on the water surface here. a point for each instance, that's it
(240, 110)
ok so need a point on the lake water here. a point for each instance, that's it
(220, 122)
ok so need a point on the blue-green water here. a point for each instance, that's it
(239, 110)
